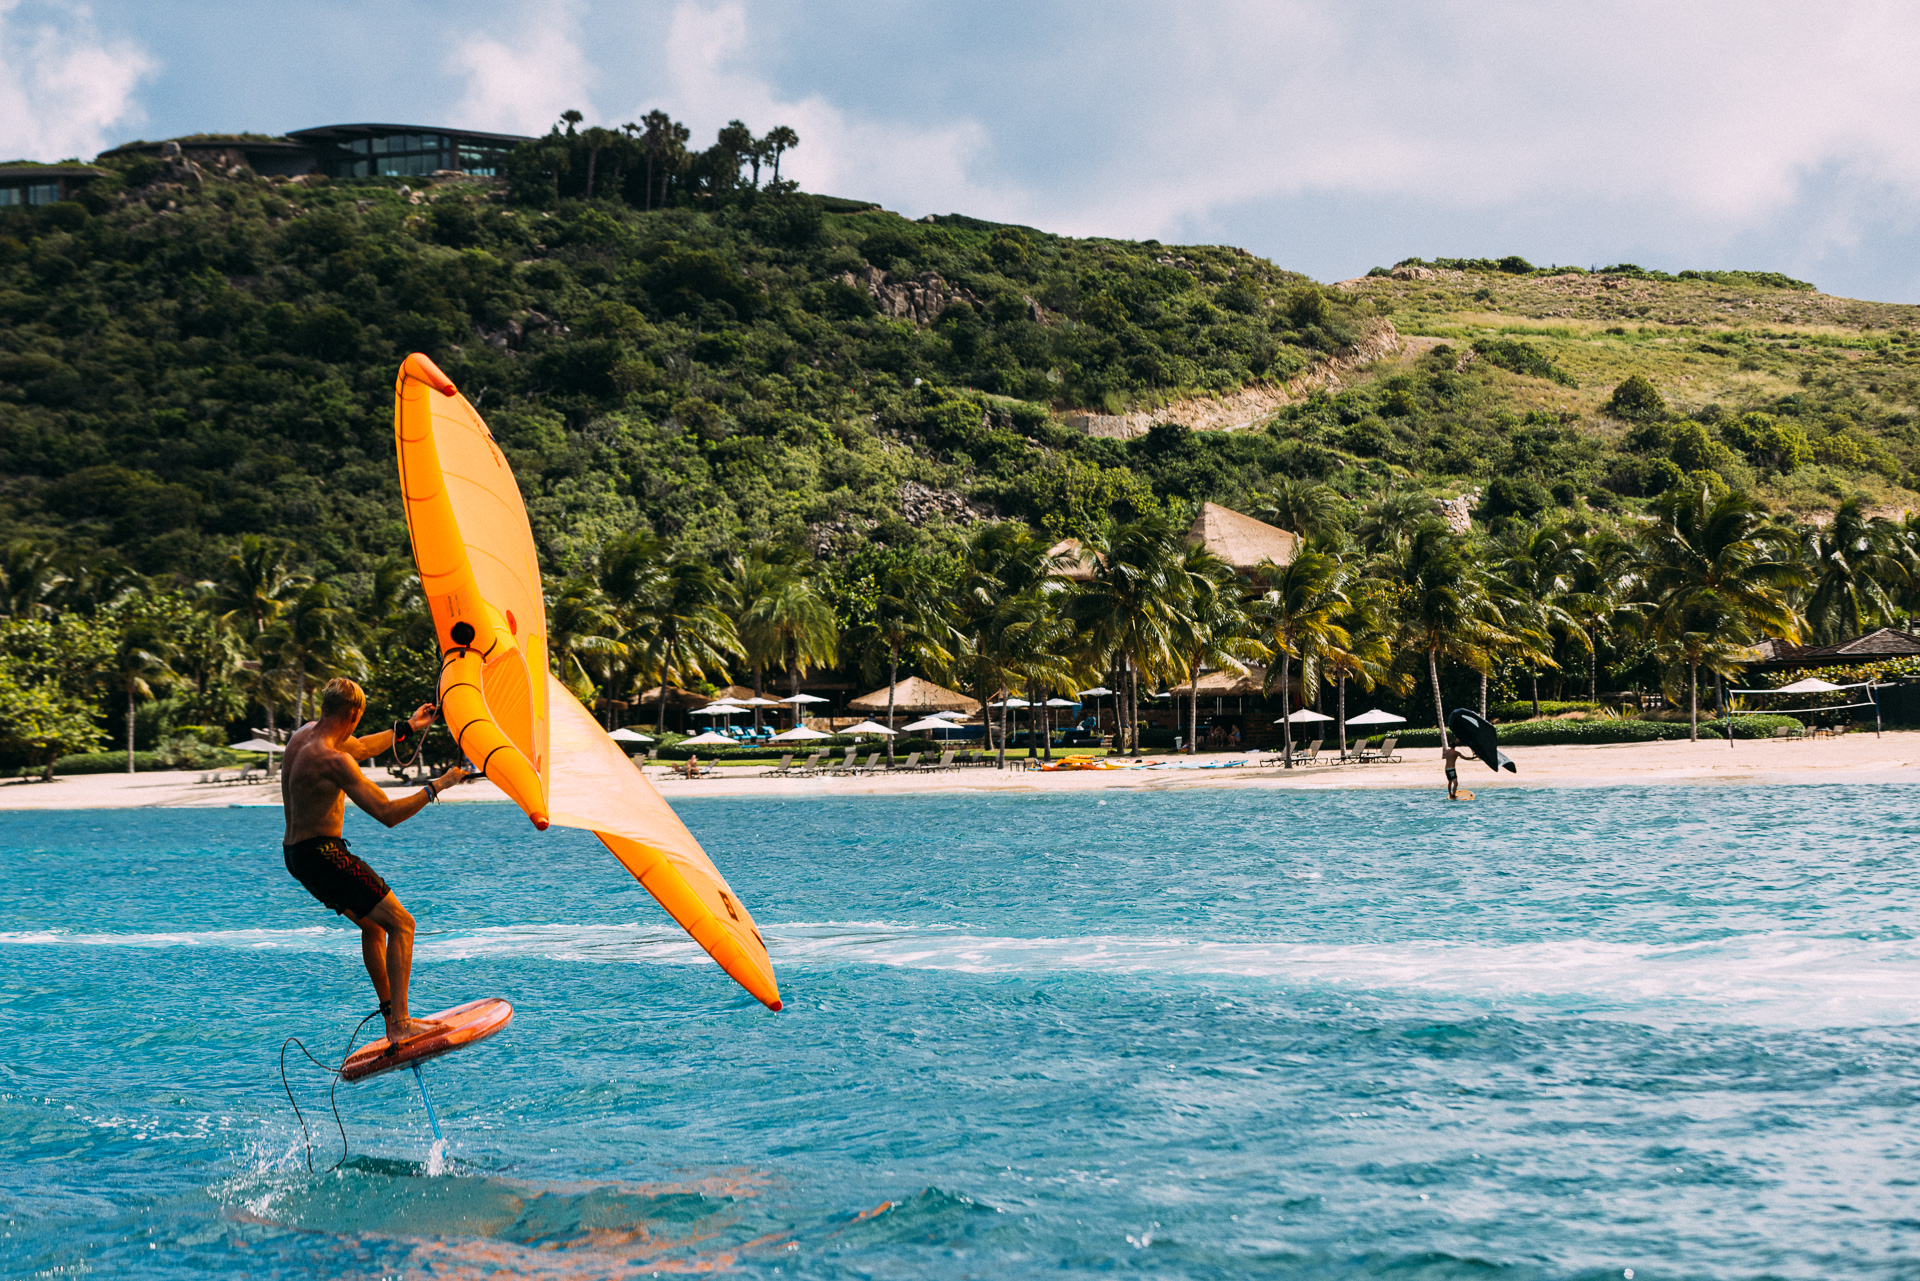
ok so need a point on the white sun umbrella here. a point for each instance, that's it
(868, 727)
(629, 736)
(925, 723)
(1060, 702)
(947, 716)
(717, 709)
(756, 701)
(1303, 716)
(1098, 691)
(798, 734)
(804, 698)
(1015, 701)
(1376, 717)
(708, 739)
(1811, 685)
(256, 745)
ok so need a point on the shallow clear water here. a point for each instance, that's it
(1197, 1034)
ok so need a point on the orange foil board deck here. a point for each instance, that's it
(465, 1025)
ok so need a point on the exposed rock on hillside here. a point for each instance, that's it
(920, 299)
(1251, 403)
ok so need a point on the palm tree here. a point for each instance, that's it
(1009, 607)
(29, 576)
(1306, 507)
(1367, 657)
(580, 620)
(1214, 628)
(315, 637)
(1854, 558)
(1603, 592)
(1131, 610)
(140, 662)
(1392, 519)
(690, 635)
(1444, 613)
(785, 623)
(1529, 581)
(1718, 571)
(1300, 614)
(252, 589)
(905, 617)
(779, 140)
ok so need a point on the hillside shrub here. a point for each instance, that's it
(1636, 400)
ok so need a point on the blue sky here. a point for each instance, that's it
(1328, 136)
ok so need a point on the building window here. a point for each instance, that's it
(43, 193)
(11, 197)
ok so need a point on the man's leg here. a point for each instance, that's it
(397, 923)
(373, 952)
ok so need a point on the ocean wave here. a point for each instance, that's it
(1776, 977)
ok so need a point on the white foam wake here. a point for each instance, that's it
(1775, 978)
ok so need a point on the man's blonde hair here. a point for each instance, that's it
(341, 694)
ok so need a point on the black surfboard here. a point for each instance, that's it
(1476, 733)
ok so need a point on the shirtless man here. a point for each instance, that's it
(323, 770)
(1450, 757)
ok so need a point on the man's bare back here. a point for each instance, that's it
(322, 773)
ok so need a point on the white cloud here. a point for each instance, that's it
(1715, 110)
(521, 82)
(63, 87)
(916, 170)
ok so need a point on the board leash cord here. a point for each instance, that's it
(332, 1101)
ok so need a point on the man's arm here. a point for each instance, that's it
(376, 803)
(370, 746)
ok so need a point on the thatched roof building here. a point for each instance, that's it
(1225, 684)
(1241, 541)
(916, 695)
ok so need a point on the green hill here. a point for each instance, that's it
(183, 363)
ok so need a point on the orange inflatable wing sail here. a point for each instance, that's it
(511, 717)
(474, 550)
(596, 788)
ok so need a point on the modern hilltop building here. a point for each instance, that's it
(345, 151)
(374, 150)
(24, 183)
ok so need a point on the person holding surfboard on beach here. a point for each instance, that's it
(1450, 757)
(321, 773)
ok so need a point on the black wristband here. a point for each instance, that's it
(402, 731)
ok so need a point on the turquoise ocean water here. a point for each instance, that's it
(1609, 1033)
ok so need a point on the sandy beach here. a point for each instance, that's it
(1855, 758)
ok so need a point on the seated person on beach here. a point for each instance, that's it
(1450, 757)
(322, 771)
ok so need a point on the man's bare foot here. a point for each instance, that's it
(410, 1029)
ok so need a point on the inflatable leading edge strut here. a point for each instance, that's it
(487, 609)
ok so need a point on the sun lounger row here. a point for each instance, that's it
(850, 764)
(222, 778)
(1359, 754)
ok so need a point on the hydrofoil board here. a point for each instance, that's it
(461, 1026)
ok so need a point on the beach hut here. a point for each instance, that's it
(1241, 541)
(916, 696)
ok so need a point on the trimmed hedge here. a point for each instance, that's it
(143, 763)
(1523, 709)
(1557, 733)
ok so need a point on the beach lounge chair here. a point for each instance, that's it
(872, 766)
(785, 765)
(1361, 752)
(812, 765)
(1385, 755)
(845, 765)
(911, 763)
(946, 762)
(1312, 753)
